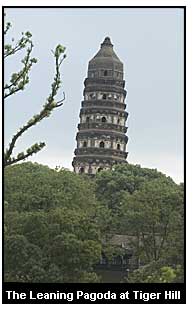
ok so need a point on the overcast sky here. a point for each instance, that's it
(148, 41)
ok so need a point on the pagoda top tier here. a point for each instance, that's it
(106, 55)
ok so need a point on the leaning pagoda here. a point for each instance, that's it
(101, 137)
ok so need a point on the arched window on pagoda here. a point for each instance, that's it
(84, 144)
(100, 169)
(81, 171)
(118, 146)
(104, 96)
(87, 119)
(102, 144)
(105, 73)
(104, 119)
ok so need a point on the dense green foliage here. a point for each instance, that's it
(57, 223)
(156, 272)
(51, 225)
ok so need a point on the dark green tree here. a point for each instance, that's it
(153, 215)
(147, 207)
(123, 177)
(53, 213)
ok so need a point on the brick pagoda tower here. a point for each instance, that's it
(101, 139)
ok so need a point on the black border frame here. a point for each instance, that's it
(95, 287)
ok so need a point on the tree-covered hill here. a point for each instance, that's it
(57, 223)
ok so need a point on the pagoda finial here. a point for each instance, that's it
(107, 41)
